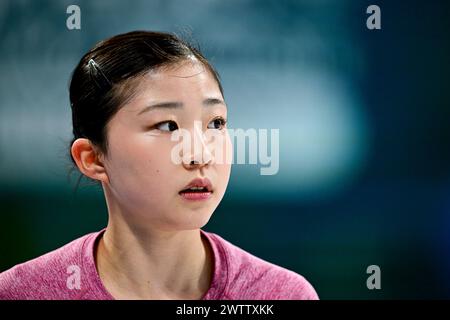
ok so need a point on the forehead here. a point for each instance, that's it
(187, 80)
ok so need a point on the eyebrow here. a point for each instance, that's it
(179, 105)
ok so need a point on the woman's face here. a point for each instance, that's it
(144, 181)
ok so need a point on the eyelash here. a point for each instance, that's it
(223, 122)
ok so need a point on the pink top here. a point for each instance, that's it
(70, 273)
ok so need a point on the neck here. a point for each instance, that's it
(138, 263)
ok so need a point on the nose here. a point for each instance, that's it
(201, 156)
(198, 161)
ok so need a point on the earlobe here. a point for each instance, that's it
(88, 160)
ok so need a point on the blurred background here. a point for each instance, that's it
(364, 173)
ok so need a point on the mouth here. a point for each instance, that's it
(197, 189)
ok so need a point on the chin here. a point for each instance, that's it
(194, 220)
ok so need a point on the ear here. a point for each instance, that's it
(88, 160)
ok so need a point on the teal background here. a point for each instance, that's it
(364, 133)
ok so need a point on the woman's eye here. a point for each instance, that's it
(167, 126)
(218, 123)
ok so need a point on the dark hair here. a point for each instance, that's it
(99, 83)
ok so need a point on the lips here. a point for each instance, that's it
(197, 190)
(198, 185)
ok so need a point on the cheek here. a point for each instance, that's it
(139, 164)
(224, 168)
(142, 151)
(227, 150)
(224, 171)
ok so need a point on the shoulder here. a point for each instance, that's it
(250, 277)
(43, 277)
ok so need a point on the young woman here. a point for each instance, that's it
(128, 95)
